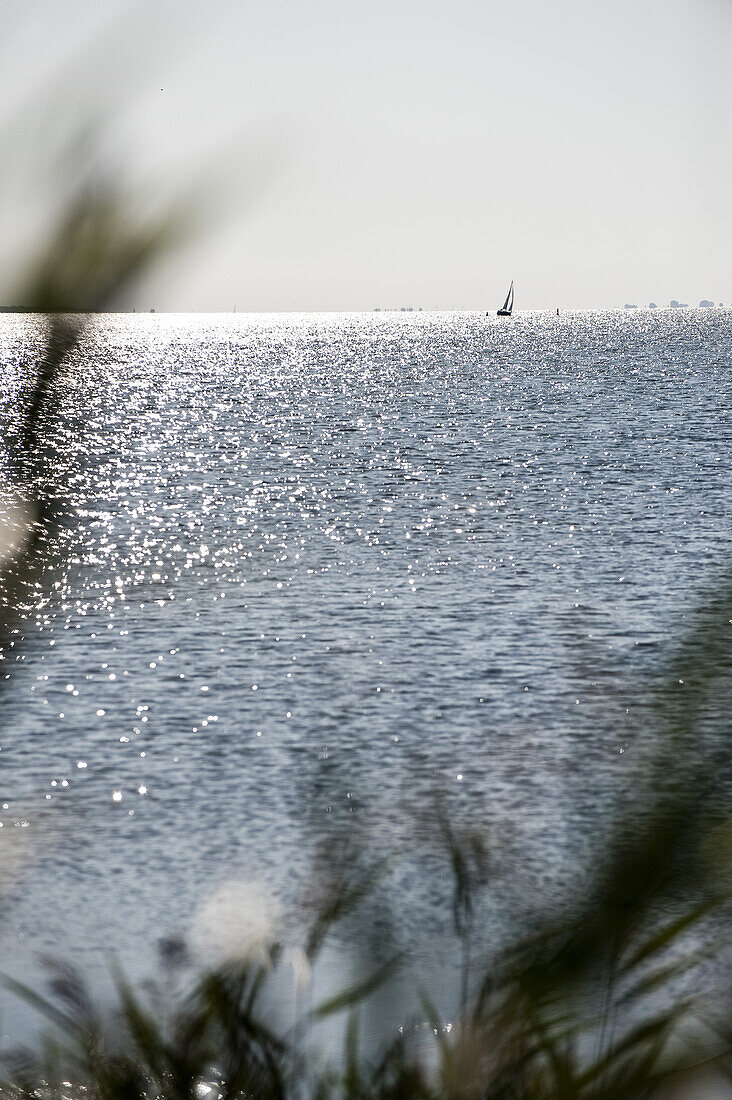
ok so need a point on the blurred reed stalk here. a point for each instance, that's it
(98, 248)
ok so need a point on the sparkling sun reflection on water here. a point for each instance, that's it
(336, 561)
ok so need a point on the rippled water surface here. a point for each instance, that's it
(338, 560)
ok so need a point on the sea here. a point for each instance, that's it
(323, 575)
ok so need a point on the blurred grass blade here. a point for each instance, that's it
(357, 992)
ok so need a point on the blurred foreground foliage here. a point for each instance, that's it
(607, 996)
(100, 245)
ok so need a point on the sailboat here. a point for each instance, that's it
(508, 304)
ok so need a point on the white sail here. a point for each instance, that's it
(505, 311)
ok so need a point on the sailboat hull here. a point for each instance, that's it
(504, 312)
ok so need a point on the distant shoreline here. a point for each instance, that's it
(27, 309)
(627, 308)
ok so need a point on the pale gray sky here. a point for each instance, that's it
(397, 152)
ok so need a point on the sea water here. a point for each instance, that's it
(337, 566)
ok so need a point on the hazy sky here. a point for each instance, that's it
(365, 153)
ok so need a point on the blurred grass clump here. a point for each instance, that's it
(608, 996)
(617, 993)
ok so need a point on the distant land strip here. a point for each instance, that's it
(67, 309)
